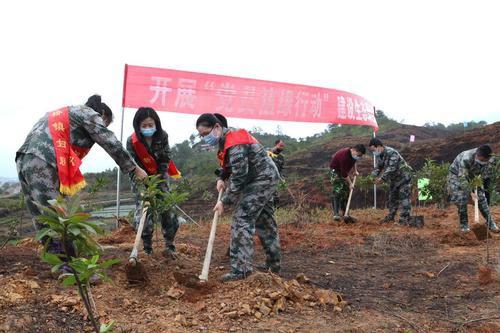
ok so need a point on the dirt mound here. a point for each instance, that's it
(124, 234)
(260, 295)
(457, 238)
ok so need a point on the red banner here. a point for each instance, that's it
(197, 93)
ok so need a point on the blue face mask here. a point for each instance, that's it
(376, 153)
(211, 139)
(148, 132)
(356, 158)
(480, 162)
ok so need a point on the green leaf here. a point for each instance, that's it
(42, 233)
(109, 263)
(70, 280)
(51, 258)
(107, 328)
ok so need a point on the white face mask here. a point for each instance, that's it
(480, 162)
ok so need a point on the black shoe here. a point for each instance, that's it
(387, 219)
(402, 222)
(267, 268)
(170, 252)
(148, 251)
(231, 276)
(464, 228)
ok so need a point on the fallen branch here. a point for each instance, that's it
(441, 271)
(409, 322)
(467, 322)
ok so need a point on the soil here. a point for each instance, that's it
(336, 277)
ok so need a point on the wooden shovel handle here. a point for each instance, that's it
(135, 250)
(350, 196)
(211, 239)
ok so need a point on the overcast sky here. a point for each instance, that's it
(419, 61)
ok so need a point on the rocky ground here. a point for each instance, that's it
(360, 277)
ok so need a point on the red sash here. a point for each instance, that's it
(234, 138)
(68, 157)
(149, 162)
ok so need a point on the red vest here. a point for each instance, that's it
(149, 162)
(234, 138)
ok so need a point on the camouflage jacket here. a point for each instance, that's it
(465, 168)
(278, 159)
(159, 150)
(248, 164)
(392, 165)
(86, 128)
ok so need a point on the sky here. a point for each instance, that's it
(419, 61)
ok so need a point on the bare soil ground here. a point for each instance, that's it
(361, 277)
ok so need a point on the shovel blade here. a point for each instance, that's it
(136, 273)
(416, 221)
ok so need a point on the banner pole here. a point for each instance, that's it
(118, 173)
(374, 166)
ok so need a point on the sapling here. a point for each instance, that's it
(66, 222)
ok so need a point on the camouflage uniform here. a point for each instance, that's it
(160, 150)
(340, 192)
(393, 168)
(461, 171)
(252, 184)
(36, 159)
(279, 161)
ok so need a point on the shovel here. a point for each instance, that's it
(208, 254)
(481, 231)
(135, 271)
(346, 217)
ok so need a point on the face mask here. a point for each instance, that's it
(356, 158)
(480, 162)
(148, 132)
(376, 153)
(211, 139)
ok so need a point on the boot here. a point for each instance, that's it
(170, 252)
(234, 276)
(464, 221)
(492, 226)
(387, 219)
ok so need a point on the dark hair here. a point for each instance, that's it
(375, 142)
(360, 148)
(222, 119)
(484, 151)
(94, 102)
(278, 141)
(210, 119)
(143, 113)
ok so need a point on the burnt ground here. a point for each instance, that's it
(393, 279)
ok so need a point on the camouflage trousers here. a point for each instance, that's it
(254, 213)
(340, 193)
(400, 195)
(168, 221)
(39, 184)
(459, 195)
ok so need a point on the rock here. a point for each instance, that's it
(279, 305)
(200, 306)
(258, 315)
(245, 308)
(181, 319)
(231, 314)
(33, 284)
(264, 309)
(274, 295)
(302, 278)
(337, 309)
(267, 302)
(175, 293)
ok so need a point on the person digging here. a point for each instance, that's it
(466, 166)
(343, 164)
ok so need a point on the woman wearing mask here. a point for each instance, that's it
(148, 145)
(249, 179)
(49, 160)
